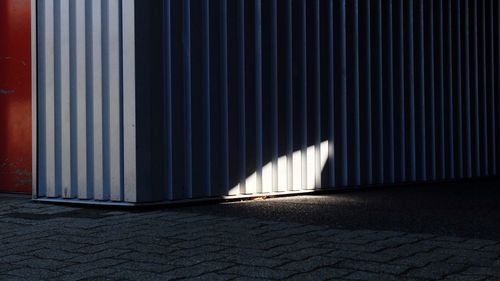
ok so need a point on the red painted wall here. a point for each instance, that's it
(15, 96)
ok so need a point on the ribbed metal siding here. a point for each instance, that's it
(296, 95)
(85, 99)
(261, 97)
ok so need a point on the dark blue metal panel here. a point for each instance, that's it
(167, 72)
(431, 89)
(331, 93)
(297, 95)
(343, 144)
(467, 89)
(274, 92)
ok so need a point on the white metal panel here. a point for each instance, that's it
(96, 76)
(65, 97)
(114, 96)
(48, 89)
(86, 113)
(79, 72)
(129, 114)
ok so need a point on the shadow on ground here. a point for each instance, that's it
(467, 209)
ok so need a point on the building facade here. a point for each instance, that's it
(159, 101)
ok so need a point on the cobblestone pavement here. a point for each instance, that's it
(47, 242)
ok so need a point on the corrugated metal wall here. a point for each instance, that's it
(179, 99)
(282, 96)
(85, 87)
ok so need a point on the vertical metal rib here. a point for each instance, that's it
(207, 159)
(78, 71)
(188, 138)
(401, 90)
(493, 92)
(48, 110)
(422, 141)
(317, 97)
(432, 94)
(289, 94)
(258, 94)
(331, 97)
(34, 102)
(224, 98)
(468, 130)
(411, 92)
(128, 101)
(274, 93)
(57, 100)
(484, 92)
(97, 118)
(497, 89)
(357, 130)
(303, 90)
(450, 120)
(241, 94)
(368, 97)
(380, 169)
(390, 96)
(114, 98)
(459, 98)
(343, 145)
(476, 92)
(441, 109)
(64, 92)
(167, 72)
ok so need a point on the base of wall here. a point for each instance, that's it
(171, 203)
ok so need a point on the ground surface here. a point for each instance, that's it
(441, 232)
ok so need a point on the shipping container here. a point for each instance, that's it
(15, 96)
(162, 101)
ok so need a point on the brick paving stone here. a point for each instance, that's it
(310, 264)
(6, 267)
(472, 260)
(435, 271)
(5, 277)
(457, 277)
(486, 271)
(170, 245)
(304, 253)
(131, 275)
(144, 266)
(258, 272)
(108, 253)
(374, 267)
(42, 264)
(12, 258)
(406, 250)
(99, 273)
(54, 254)
(85, 267)
(465, 253)
(219, 277)
(364, 275)
(255, 261)
(346, 246)
(34, 274)
(492, 248)
(323, 273)
(362, 256)
(422, 259)
(197, 270)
